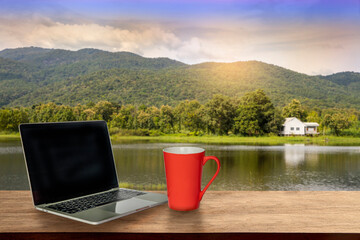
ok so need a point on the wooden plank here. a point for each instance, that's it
(180, 236)
(220, 212)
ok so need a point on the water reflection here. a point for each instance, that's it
(287, 167)
(294, 154)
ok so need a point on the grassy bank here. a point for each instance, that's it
(158, 187)
(9, 136)
(266, 140)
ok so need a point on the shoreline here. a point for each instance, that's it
(9, 137)
(263, 140)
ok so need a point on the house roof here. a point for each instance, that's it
(308, 124)
(289, 119)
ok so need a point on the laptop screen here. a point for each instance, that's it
(67, 160)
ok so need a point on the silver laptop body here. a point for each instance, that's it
(70, 162)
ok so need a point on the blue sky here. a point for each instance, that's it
(309, 36)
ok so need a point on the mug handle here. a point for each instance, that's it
(213, 178)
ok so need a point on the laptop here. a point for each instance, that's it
(72, 173)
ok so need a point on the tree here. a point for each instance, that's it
(51, 112)
(294, 109)
(276, 122)
(105, 110)
(11, 118)
(325, 123)
(192, 116)
(337, 122)
(91, 115)
(221, 111)
(179, 115)
(154, 116)
(167, 119)
(189, 115)
(142, 107)
(313, 116)
(64, 113)
(144, 120)
(44, 113)
(246, 121)
(126, 118)
(256, 115)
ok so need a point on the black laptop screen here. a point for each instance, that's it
(67, 160)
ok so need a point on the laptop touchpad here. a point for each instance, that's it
(126, 206)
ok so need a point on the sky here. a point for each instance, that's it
(308, 36)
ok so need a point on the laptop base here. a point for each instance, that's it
(111, 211)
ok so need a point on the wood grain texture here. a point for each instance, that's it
(180, 236)
(219, 212)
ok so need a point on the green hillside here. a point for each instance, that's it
(280, 84)
(32, 75)
(27, 71)
(93, 59)
(16, 80)
(24, 54)
(350, 80)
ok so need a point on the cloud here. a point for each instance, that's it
(149, 40)
(144, 39)
(297, 46)
(44, 32)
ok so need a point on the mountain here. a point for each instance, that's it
(16, 80)
(32, 75)
(350, 80)
(23, 54)
(40, 67)
(54, 65)
(92, 59)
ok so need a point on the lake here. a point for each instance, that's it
(243, 167)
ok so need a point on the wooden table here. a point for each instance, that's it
(222, 215)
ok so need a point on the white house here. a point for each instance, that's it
(293, 126)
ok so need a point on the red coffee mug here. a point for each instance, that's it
(183, 168)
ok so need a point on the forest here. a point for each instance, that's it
(30, 76)
(253, 114)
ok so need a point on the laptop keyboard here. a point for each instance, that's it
(81, 204)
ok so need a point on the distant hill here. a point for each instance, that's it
(93, 59)
(32, 75)
(24, 54)
(16, 80)
(57, 64)
(350, 80)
